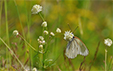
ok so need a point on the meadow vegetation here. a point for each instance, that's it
(32, 34)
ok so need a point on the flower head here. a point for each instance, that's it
(41, 38)
(15, 32)
(58, 30)
(40, 46)
(36, 9)
(34, 69)
(108, 42)
(68, 35)
(44, 24)
(45, 32)
(43, 42)
(52, 34)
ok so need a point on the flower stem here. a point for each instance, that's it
(1, 21)
(41, 16)
(7, 32)
(1, 16)
(19, 19)
(12, 53)
(28, 43)
(28, 14)
(105, 59)
(20, 24)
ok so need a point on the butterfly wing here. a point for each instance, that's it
(72, 49)
(83, 49)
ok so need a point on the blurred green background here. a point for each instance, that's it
(94, 18)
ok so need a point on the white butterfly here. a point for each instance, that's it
(75, 47)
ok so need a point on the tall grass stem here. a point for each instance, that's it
(1, 16)
(12, 53)
(41, 16)
(28, 15)
(7, 32)
(105, 59)
(28, 43)
(19, 19)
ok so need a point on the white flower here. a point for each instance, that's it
(34, 69)
(27, 68)
(108, 42)
(41, 37)
(40, 46)
(36, 9)
(50, 60)
(68, 35)
(15, 32)
(45, 32)
(58, 30)
(43, 42)
(52, 34)
(44, 24)
(38, 40)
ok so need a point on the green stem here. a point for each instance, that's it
(1, 15)
(28, 43)
(12, 53)
(109, 66)
(28, 14)
(19, 19)
(41, 16)
(7, 32)
(105, 59)
(20, 24)
(0, 24)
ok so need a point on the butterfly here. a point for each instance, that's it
(75, 47)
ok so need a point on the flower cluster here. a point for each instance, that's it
(34, 69)
(36, 9)
(68, 35)
(15, 32)
(58, 30)
(44, 24)
(45, 32)
(52, 34)
(41, 40)
(108, 42)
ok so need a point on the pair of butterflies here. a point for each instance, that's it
(75, 47)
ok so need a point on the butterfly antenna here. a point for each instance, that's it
(69, 27)
(75, 29)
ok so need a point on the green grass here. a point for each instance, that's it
(23, 50)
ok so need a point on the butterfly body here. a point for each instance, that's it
(75, 47)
